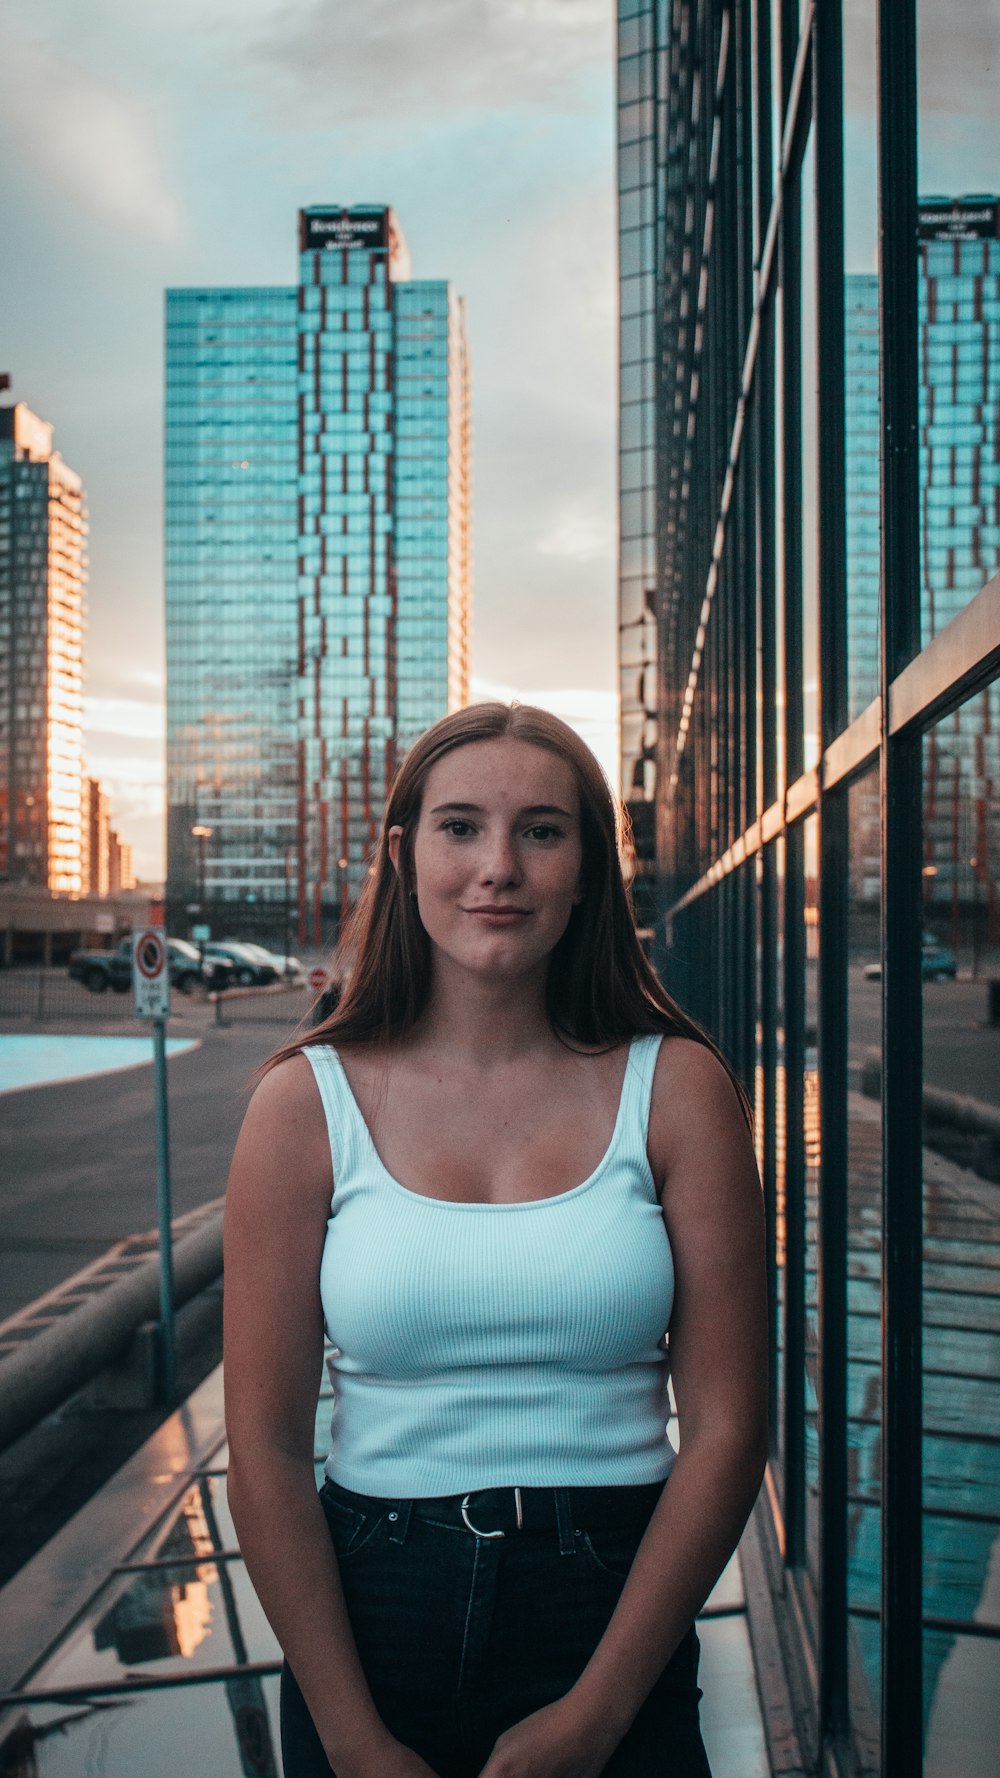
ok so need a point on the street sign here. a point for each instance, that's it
(201, 934)
(151, 995)
(317, 979)
(150, 973)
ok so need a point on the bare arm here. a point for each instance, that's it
(277, 1206)
(703, 1158)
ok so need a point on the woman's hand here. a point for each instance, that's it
(390, 1760)
(551, 1743)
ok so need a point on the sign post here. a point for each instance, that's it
(151, 990)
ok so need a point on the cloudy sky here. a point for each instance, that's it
(147, 143)
(172, 142)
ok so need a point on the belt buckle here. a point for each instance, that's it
(467, 1522)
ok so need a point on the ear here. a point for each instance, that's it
(395, 840)
(581, 890)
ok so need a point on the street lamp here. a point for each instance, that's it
(289, 854)
(342, 894)
(202, 834)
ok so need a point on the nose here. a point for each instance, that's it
(499, 861)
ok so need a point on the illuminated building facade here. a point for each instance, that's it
(958, 251)
(97, 877)
(317, 565)
(43, 572)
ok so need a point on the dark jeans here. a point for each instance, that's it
(460, 1636)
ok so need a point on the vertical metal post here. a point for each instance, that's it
(831, 555)
(766, 690)
(902, 1042)
(794, 889)
(167, 1360)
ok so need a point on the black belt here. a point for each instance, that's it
(495, 1512)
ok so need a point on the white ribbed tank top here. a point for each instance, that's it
(485, 1345)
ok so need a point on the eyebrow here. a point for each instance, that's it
(477, 809)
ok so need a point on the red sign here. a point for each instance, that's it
(150, 954)
(317, 979)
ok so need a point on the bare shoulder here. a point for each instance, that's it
(696, 1121)
(284, 1137)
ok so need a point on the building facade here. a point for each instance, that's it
(317, 566)
(958, 253)
(43, 576)
(809, 461)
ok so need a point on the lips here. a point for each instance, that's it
(506, 914)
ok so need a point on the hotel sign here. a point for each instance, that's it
(964, 220)
(342, 228)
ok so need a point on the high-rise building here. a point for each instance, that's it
(121, 874)
(43, 573)
(97, 877)
(317, 565)
(959, 358)
(640, 290)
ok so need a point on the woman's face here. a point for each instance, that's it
(497, 855)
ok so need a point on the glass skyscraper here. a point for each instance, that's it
(810, 516)
(317, 566)
(959, 365)
(43, 574)
(640, 290)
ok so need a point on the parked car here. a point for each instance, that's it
(285, 966)
(99, 970)
(184, 961)
(937, 962)
(230, 963)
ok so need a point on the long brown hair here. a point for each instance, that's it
(601, 988)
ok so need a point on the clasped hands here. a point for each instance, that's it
(550, 1743)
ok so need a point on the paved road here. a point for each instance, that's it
(77, 1161)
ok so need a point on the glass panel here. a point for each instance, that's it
(864, 1264)
(780, 1272)
(184, 1611)
(961, 1480)
(227, 1729)
(861, 319)
(959, 294)
(810, 456)
(811, 1159)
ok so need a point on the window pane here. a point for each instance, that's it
(861, 320)
(864, 1264)
(959, 295)
(811, 1158)
(961, 1308)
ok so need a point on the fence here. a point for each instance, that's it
(44, 996)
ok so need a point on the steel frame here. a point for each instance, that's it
(733, 781)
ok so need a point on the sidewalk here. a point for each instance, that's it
(134, 1642)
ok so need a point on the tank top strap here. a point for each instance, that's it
(637, 1094)
(345, 1126)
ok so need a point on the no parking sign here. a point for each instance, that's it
(150, 973)
(151, 994)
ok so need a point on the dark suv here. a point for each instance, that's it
(98, 970)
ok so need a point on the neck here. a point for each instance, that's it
(483, 1021)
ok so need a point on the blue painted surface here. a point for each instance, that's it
(39, 1061)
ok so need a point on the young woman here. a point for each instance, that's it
(498, 1172)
